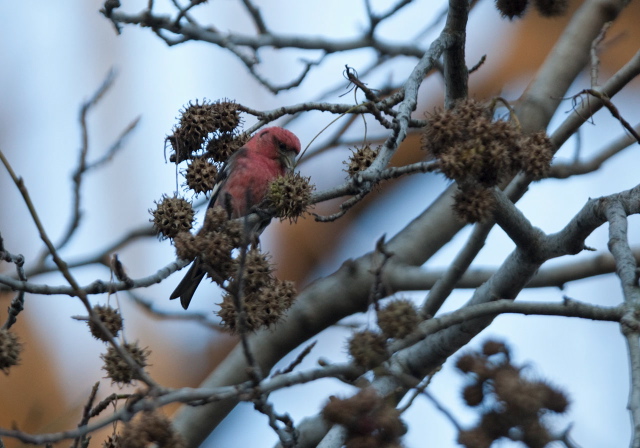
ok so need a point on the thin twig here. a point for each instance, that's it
(613, 109)
(86, 415)
(256, 15)
(78, 174)
(296, 362)
(17, 304)
(578, 167)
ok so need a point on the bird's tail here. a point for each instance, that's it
(187, 287)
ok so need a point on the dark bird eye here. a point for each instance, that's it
(282, 146)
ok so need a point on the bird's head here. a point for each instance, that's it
(278, 143)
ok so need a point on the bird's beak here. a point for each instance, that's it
(289, 161)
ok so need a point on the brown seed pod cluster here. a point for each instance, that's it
(398, 318)
(479, 153)
(473, 203)
(215, 251)
(200, 123)
(171, 216)
(110, 318)
(360, 159)
(10, 350)
(201, 175)
(290, 196)
(263, 307)
(368, 349)
(265, 298)
(517, 8)
(257, 271)
(369, 419)
(150, 428)
(536, 154)
(469, 145)
(509, 400)
(118, 369)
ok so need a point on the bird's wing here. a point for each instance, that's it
(223, 175)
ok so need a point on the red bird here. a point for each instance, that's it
(243, 183)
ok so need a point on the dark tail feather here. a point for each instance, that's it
(187, 287)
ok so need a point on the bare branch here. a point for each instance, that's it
(565, 170)
(82, 162)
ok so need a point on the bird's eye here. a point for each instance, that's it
(282, 146)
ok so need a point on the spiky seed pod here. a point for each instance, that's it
(511, 8)
(10, 349)
(473, 394)
(150, 427)
(469, 363)
(117, 368)
(171, 216)
(215, 250)
(368, 349)
(398, 318)
(282, 291)
(492, 347)
(290, 196)
(551, 8)
(222, 146)
(485, 155)
(470, 110)
(114, 441)
(183, 144)
(196, 123)
(534, 434)
(554, 399)
(235, 231)
(110, 318)
(440, 131)
(388, 423)
(361, 159)
(495, 424)
(228, 313)
(215, 218)
(347, 411)
(186, 245)
(519, 396)
(496, 163)
(198, 119)
(265, 314)
(277, 298)
(226, 115)
(536, 154)
(473, 204)
(452, 165)
(257, 271)
(475, 438)
(201, 175)
(445, 128)
(263, 308)
(369, 419)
